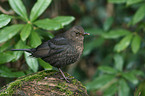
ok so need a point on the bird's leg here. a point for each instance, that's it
(63, 75)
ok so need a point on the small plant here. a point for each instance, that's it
(28, 34)
(120, 70)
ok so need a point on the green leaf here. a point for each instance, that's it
(18, 54)
(108, 23)
(111, 90)
(94, 31)
(4, 20)
(140, 91)
(117, 1)
(131, 77)
(113, 34)
(31, 61)
(123, 88)
(136, 42)
(26, 32)
(7, 72)
(34, 39)
(107, 69)
(12, 74)
(45, 34)
(39, 8)
(139, 15)
(48, 24)
(118, 62)
(99, 82)
(6, 57)
(138, 72)
(8, 32)
(5, 46)
(124, 43)
(130, 2)
(64, 20)
(45, 65)
(88, 47)
(19, 8)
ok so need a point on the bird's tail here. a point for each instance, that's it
(27, 50)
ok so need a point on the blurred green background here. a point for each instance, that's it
(112, 63)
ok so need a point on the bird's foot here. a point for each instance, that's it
(66, 78)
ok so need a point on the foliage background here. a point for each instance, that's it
(112, 63)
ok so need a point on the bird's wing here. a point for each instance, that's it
(59, 41)
(42, 50)
(58, 45)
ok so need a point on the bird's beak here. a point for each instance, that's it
(86, 33)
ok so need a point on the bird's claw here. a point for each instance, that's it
(67, 78)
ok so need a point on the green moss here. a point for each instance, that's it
(62, 86)
(12, 86)
(68, 92)
(74, 81)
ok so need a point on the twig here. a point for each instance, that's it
(6, 12)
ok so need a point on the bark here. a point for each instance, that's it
(44, 83)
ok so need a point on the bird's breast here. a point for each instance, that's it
(79, 48)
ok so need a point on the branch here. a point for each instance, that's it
(6, 12)
(44, 83)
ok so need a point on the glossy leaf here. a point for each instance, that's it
(7, 72)
(131, 77)
(139, 15)
(94, 31)
(118, 62)
(48, 24)
(31, 61)
(19, 8)
(117, 1)
(138, 72)
(130, 2)
(18, 54)
(140, 91)
(6, 57)
(111, 90)
(26, 32)
(113, 34)
(124, 43)
(107, 69)
(88, 47)
(108, 23)
(64, 20)
(45, 34)
(12, 74)
(123, 88)
(136, 42)
(39, 8)
(4, 20)
(5, 46)
(35, 39)
(8, 32)
(45, 65)
(99, 82)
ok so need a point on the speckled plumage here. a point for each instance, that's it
(62, 50)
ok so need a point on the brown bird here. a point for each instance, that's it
(64, 49)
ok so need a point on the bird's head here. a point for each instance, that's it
(76, 33)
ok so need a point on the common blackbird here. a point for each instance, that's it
(64, 49)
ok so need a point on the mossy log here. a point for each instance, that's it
(44, 83)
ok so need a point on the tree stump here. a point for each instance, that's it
(44, 83)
